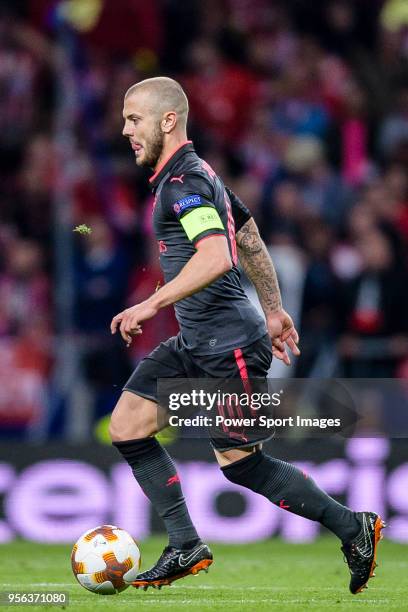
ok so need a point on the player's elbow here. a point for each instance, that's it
(214, 256)
(227, 264)
(217, 266)
(223, 264)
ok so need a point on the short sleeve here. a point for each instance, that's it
(240, 212)
(190, 200)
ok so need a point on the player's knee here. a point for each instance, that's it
(117, 431)
(120, 431)
(233, 455)
(131, 420)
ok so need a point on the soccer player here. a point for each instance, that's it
(222, 336)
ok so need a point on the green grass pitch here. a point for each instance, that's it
(270, 575)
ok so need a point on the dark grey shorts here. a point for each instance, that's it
(172, 360)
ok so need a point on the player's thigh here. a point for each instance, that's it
(135, 417)
(138, 413)
(165, 361)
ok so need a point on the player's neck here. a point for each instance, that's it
(170, 147)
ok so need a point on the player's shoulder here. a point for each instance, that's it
(182, 192)
(186, 180)
(192, 169)
(195, 164)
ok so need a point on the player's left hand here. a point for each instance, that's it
(129, 320)
(282, 331)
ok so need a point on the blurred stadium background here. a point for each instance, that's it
(302, 107)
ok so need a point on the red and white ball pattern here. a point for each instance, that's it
(105, 560)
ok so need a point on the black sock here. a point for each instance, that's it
(156, 473)
(293, 490)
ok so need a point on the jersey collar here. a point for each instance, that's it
(169, 162)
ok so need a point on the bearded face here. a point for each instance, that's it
(142, 127)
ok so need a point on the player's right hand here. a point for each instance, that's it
(135, 331)
(129, 321)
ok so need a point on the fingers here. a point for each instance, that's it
(291, 342)
(286, 333)
(282, 355)
(290, 337)
(115, 322)
(125, 335)
(137, 331)
(122, 321)
(279, 351)
(290, 331)
(278, 344)
(127, 327)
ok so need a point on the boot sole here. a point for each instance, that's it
(201, 566)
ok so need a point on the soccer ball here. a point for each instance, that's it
(105, 560)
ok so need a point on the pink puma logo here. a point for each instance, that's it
(172, 480)
(177, 178)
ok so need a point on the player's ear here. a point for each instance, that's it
(169, 122)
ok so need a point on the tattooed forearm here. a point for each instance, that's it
(257, 265)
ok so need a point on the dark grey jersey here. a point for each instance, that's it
(192, 204)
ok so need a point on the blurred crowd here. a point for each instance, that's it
(301, 107)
